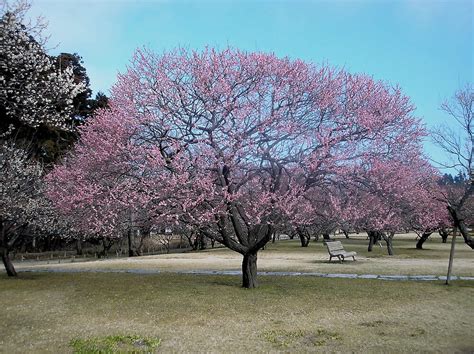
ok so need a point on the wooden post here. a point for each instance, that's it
(451, 256)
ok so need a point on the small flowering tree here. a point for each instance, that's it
(228, 142)
(100, 188)
(385, 196)
(458, 143)
(25, 212)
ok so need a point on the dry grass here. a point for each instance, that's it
(290, 256)
(44, 312)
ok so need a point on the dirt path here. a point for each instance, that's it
(236, 272)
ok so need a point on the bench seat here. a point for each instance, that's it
(335, 249)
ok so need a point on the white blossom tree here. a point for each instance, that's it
(25, 211)
(21, 198)
(32, 90)
(34, 94)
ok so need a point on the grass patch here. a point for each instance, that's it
(373, 324)
(114, 344)
(418, 332)
(284, 339)
(44, 312)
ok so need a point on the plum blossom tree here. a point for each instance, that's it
(388, 195)
(101, 194)
(229, 142)
(458, 143)
(19, 190)
(25, 212)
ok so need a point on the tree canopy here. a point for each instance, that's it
(237, 144)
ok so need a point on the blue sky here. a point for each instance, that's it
(425, 46)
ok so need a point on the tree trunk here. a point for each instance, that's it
(195, 243)
(304, 241)
(346, 233)
(326, 237)
(47, 243)
(461, 226)
(423, 238)
(132, 250)
(79, 247)
(444, 234)
(249, 271)
(11, 272)
(201, 241)
(451, 256)
(371, 235)
(304, 236)
(388, 241)
(106, 245)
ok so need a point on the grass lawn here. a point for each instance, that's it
(46, 312)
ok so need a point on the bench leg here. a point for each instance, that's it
(354, 258)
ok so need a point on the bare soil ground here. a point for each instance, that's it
(288, 255)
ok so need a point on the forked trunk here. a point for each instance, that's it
(304, 241)
(444, 235)
(423, 238)
(11, 272)
(304, 236)
(106, 246)
(249, 271)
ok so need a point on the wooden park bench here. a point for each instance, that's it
(335, 249)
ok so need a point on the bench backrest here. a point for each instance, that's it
(334, 246)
